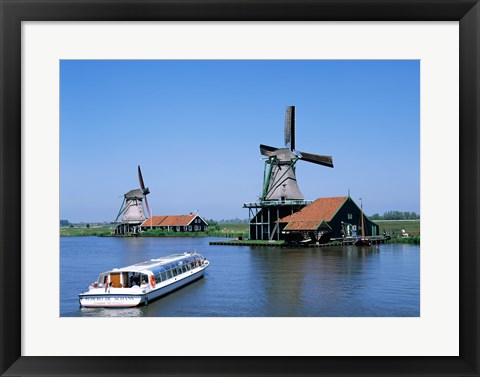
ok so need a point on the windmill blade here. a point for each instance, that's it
(317, 159)
(140, 178)
(290, 127)
(266, 150)
(145, 190)
(148, 208)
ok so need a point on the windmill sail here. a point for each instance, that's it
(317, 159)
(290, 127)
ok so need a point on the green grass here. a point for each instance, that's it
(394, 227)
(414, 239)
(92, 231)
(394, 230)
(227, 230)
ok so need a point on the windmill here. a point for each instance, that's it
(280, 182)
(132, 208)
(280, 195)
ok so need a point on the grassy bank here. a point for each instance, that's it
(84, 231)
(230, 230)
(415, 240)
(394, 227)
(240, 230)
(394, 230)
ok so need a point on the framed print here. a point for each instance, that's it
(80, 95)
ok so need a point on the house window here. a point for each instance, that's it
(349, 216)
(189, 228)
(178, 229)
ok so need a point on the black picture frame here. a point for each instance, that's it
(13, 12)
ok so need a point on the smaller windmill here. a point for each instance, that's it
(132, 208)
(279, 180)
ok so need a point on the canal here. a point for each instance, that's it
(378, 281)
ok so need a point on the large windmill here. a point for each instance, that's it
(132, 208)
(280, 193)
(280, 182)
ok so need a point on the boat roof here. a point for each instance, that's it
(149, 264)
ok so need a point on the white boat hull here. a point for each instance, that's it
(115, 298)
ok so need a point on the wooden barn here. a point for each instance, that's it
(176, 223)
(326, 218)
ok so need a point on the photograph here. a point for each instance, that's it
(292, 185)
(239, 188)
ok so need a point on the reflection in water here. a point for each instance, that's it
(380, 280)
(111, 312)
(299, 280)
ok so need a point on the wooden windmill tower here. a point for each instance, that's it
(132, 209)
(281, 195)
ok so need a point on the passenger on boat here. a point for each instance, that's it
(133, 281)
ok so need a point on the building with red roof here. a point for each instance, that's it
(336, 216)
(176, 223)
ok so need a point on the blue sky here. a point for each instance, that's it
(195, 127)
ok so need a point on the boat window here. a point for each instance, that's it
(144, 279)
(157, 270)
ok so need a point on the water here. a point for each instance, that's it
(382, 280)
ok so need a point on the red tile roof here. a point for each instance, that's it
(312, 216)
(169, 220)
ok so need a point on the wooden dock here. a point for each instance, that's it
(338, 242)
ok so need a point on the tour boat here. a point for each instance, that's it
(145, 281)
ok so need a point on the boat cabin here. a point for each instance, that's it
(149, 272)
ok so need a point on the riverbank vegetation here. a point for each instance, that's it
(396, 229)
(225, 230)
(86, 231)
